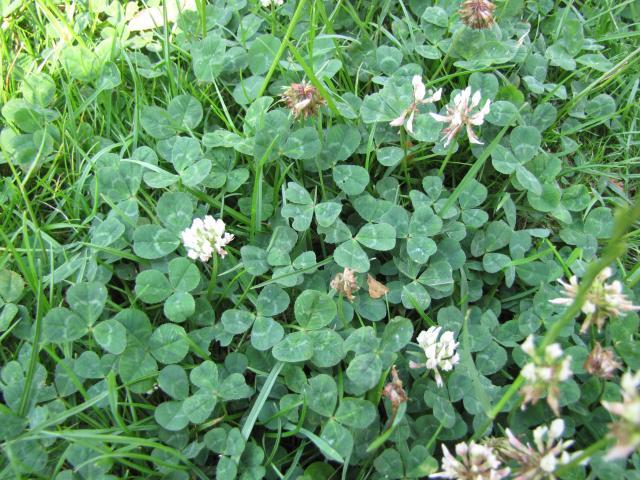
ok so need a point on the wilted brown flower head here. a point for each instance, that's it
(345, 283)
(477, 14)
(394, 390)
(376, 289)
(303, 99)
(601, 362)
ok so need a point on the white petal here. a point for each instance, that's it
(419, 90)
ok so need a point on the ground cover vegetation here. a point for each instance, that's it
(342, 239)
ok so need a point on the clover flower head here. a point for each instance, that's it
(440, 352)
(542, 459)
(394, 391)
(544, 373)
(419, 94)
(303, 99)
(473, 462)
(603, 300)
(464, 112)
(268, 3)
(626, 428)
(601, 362)
(204, 237)
(477, 14)
(345, 283)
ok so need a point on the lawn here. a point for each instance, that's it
(307, 239)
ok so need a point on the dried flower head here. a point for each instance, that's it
(601, 362)
(626, 429)
(462, 114)
(544, 373)
(394, 391)
(303, 99)
(474, 462)
(204, 237)
(603, 300)
(419, 93)
(441, 353)
(376, 289)
(477, 14)
(345, 283)
(549, 452)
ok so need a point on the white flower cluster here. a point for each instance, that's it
(268, 3)
(419, 93)
(204, 237)
(462, 114)
(477, 462)
(441, 353)
(548, 453)
(603, 300)
(626, 428)
(543, 374)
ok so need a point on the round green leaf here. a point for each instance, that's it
(152, 241)
(170, 416)
(265, 333)
(327, 213)
(272, 301)
(355, 413)
(262, 52)
(87, 299)
(111, 336)
(185, 111)
(11, 286)
(175, 211)
(179, 306)
(420, 249)
(62, 325)
(208, 57)
(168, 343)
(199, 406)
(314, 309)
(380, 236)
(327, 347)
(295, 347)
(237, 321)
(525, 142)
(351, 179)
(184, 276)
(302, 144)
(152, 286)
(173, 380)
(350, 254)
(365, 370)
(322, 394)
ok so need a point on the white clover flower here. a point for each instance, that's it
(603, 300)
(626, 428)
(543, 374)
(268, 3)
(477, 462)
(204, 237)
(542, 460)
(419, 93)
(461, 114)
(441, 354)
